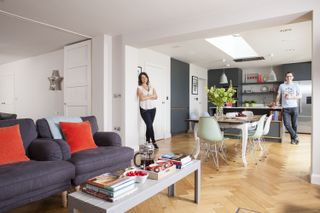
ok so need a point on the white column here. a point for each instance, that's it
(315, 155)
(102, 81)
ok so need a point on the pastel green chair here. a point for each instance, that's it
(255, 137)
(212, 139)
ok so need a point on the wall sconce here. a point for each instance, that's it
(55, 80)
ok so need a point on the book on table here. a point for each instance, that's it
(178, 159)
(110, 181)
(107, 197)
(109, 192)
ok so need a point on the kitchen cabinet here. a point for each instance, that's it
(300, 71)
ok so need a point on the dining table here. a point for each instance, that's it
(242, 123)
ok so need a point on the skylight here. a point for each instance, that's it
(233, 45)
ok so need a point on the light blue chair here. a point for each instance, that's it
(255, 137)
(212, 139)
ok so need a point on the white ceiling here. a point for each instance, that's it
(291, 46)
(136, 20)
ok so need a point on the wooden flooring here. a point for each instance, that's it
(280, 183)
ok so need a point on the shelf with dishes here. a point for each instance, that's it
(259, 93)
(261, 83)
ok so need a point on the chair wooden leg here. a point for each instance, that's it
(64, 196)
(77, 188)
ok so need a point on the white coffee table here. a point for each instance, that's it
(90, 204)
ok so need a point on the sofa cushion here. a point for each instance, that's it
(11, 144)
(24, 177)
(101, 157)
(78, 136)
(27, 129)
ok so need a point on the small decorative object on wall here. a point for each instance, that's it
(139, 70)
(194, 85)
(55, 80)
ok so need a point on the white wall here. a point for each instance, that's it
(102, 81)
(33, 99)
(131, 124)
(315, 155)
(201, 73)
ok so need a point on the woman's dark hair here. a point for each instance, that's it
(139, 78)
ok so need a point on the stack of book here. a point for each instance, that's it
(180, 160)
(110, 187)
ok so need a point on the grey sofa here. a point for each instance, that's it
(109, 155)
(45, 174)
(6, 116)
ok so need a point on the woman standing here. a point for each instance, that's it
(147, 95)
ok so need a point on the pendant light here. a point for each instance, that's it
(223, 78)
(272, 75)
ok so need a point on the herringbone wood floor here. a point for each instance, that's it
(280, 183)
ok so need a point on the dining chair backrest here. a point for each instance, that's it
(267, 125)
(260, 124)
(209, 129)
(247, 113)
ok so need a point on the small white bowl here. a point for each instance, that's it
(142, 179)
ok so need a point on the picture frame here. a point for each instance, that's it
(194, 85)
(139, 70)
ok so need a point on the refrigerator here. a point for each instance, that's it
(305, 103)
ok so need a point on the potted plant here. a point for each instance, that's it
(220, 96)
(253, 103)
(246, 103)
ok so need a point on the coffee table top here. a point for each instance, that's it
(143, 191)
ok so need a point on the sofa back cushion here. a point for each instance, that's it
(11, 144)
(44, 129)
(78, 136)
(27, 128)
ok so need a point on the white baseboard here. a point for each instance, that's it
(315, 179)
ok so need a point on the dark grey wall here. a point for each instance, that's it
(179, 96)
(233, 74)
(300, 71)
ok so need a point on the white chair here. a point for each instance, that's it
(266, 130)
(256, 136)
(209, 131)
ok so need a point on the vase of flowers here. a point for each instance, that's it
(220, 96)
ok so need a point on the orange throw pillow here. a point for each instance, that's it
(78, 135)
(11, 145)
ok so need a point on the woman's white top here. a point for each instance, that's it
(147, 104)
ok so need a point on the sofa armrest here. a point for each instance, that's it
(107, 139)
(64, 147)
(44, 150)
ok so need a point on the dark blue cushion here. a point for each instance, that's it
(101, 157)
(24, 177)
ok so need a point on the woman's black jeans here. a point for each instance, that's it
(290, 119)
(148, 117)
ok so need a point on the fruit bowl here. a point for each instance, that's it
(139, 175)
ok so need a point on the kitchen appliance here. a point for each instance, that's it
(145, 154)
(304, 118)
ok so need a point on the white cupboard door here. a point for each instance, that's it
(7, 94)
(77, 79)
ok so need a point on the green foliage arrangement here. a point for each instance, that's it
(220, 96)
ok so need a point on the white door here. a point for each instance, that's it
(77, 79)
(7, 94)
(202, 97)
(157, 80)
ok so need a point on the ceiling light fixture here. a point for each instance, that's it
(233, 45)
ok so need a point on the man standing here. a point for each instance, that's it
(290, 93)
